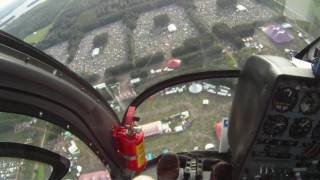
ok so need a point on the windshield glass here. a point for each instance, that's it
(187, 117)
(36, 132)
(122, 47)
(15, 168)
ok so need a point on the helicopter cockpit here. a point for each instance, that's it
(121, 89)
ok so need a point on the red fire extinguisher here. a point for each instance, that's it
(129, 142)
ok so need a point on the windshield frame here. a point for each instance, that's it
(25, 90)
(182, 79)
(60, 165)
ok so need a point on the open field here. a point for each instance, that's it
(203, 117)
(38, 36)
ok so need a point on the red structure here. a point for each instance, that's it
(173, 63)
(217, 128)
(129, 142)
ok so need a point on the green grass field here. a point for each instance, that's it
(204, 117)
(41, 171)
(39, 35)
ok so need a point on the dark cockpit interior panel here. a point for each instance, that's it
(275, 125)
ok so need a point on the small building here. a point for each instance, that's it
(178, 129)
(286, 25)
(205, 101)
(73, 148)
(211, 91)
(172, 28)
(185, 114)
(100, 86)
(135, 81)
(222, 93)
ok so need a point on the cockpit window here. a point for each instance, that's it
(15, 168)
(122, 47)
(36, 132)
(187, 117)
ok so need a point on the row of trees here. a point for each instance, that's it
(235, 34)
(139, 74)
(161, 21)
(193, 44)
(130, 20)
(197, 57)
(74, 42)
(226, 3)
(197, 49)
(87, 16)
(149, 60)
(100, 40)
(198, 23)
(120, 69)
(138, 64)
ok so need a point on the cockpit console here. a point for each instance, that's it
(275, 121)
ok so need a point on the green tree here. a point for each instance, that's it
(130, 19)
(161, 20)
(226, 3)
(100, 40)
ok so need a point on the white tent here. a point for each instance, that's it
(195, 88)
(178, 129)
(209, 146)
(241, 7)
(95, 52)
(172, 28)
(205, 101)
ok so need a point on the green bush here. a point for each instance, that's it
(226, 3)
(121, 69)
(150, 59)
(222, 30)
(100, 40)
(244, 30)
(139, 74)
(130, 19)
(161, 20)
(131, 46)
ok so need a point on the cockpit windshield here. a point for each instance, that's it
(122, 47)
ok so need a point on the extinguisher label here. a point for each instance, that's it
(140, 154)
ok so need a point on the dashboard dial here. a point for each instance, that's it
(300, 127)
(275, 125)
(310, 103)
(285, 99)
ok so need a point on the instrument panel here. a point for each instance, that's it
(288, 144)
(274, 130)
